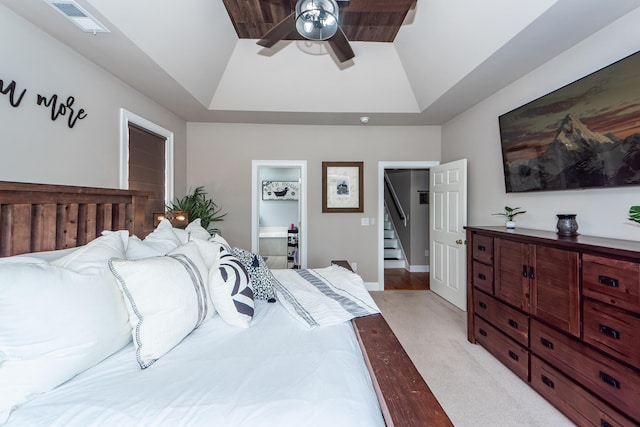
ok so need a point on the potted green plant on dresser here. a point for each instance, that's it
(509, 214)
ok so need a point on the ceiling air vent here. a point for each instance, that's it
(76, 14)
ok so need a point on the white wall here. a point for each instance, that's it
(36, 149)
(220, 155)
(475, 135)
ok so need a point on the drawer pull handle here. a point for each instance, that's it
(524, 271)
(482, 248)
(545, 342)
(608, 281)
(609, 380)
(513, 323)
(604, 423)
(531, 272)
(482, 305)
(609, 331)
(482, 276)
(513, 355)
(483, 332)
(547, 381)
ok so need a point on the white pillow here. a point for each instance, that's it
(95, 254)
(48, 255)
(231, 292)
(167, 298)
(210, 251)
(160, 241)
(57, 322)
(193, 230)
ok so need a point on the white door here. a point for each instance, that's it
(448, 212)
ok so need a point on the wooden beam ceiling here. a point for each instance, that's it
(361, 20)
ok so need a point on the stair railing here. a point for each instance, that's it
(394, 198)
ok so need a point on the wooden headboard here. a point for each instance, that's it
(42, 217)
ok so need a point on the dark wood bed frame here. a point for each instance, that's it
(41, 217)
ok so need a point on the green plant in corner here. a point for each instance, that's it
(198, 205)
(510, 213)
(634, 213)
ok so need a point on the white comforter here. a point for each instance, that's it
(276, 373)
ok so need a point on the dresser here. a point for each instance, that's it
(563, 313)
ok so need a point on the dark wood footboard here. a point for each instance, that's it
(405, 398)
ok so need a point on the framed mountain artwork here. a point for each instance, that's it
(585, 134)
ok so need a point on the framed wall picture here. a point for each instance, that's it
(280, 190)
(342, 187)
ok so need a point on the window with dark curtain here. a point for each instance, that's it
(147, 167)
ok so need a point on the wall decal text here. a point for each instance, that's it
(57, 108)
(61, 109)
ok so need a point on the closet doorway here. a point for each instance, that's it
(279, 212)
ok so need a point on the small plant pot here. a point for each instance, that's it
(510, 224)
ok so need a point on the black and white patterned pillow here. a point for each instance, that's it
(262, 280)
(231, 291)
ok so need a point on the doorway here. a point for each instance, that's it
(400, 274)
(279, 212)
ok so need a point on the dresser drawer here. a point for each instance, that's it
(483, 248)
(613, 382)
(575, 402)
(612, 281)
(613, 331)
(507, 319)
(483, 277)
(507, 351)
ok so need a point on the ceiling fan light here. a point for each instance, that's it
(317, 19)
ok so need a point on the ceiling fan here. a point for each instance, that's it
(314, 20)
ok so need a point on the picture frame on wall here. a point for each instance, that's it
(342, 187)
(280, 190)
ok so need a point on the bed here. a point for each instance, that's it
(347, 373)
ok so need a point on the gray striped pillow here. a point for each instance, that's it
(167, 298)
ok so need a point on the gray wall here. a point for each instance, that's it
(420, 215)
(475, 135)
(220, 155)
(36, 149)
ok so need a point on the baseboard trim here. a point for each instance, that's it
(395, 263)
(418, 268)
(372, 286)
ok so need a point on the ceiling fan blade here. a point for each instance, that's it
(341, 46)
(281, 30)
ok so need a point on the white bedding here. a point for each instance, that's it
(323, 296)
(266, 375)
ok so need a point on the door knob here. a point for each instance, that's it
(459, 242)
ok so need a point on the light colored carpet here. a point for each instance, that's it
(471, 385)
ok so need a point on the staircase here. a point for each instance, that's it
(393, 253)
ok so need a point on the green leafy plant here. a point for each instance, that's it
(198, 205)
(634, 213)
(510, 213)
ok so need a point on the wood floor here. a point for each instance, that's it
(399, 279)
